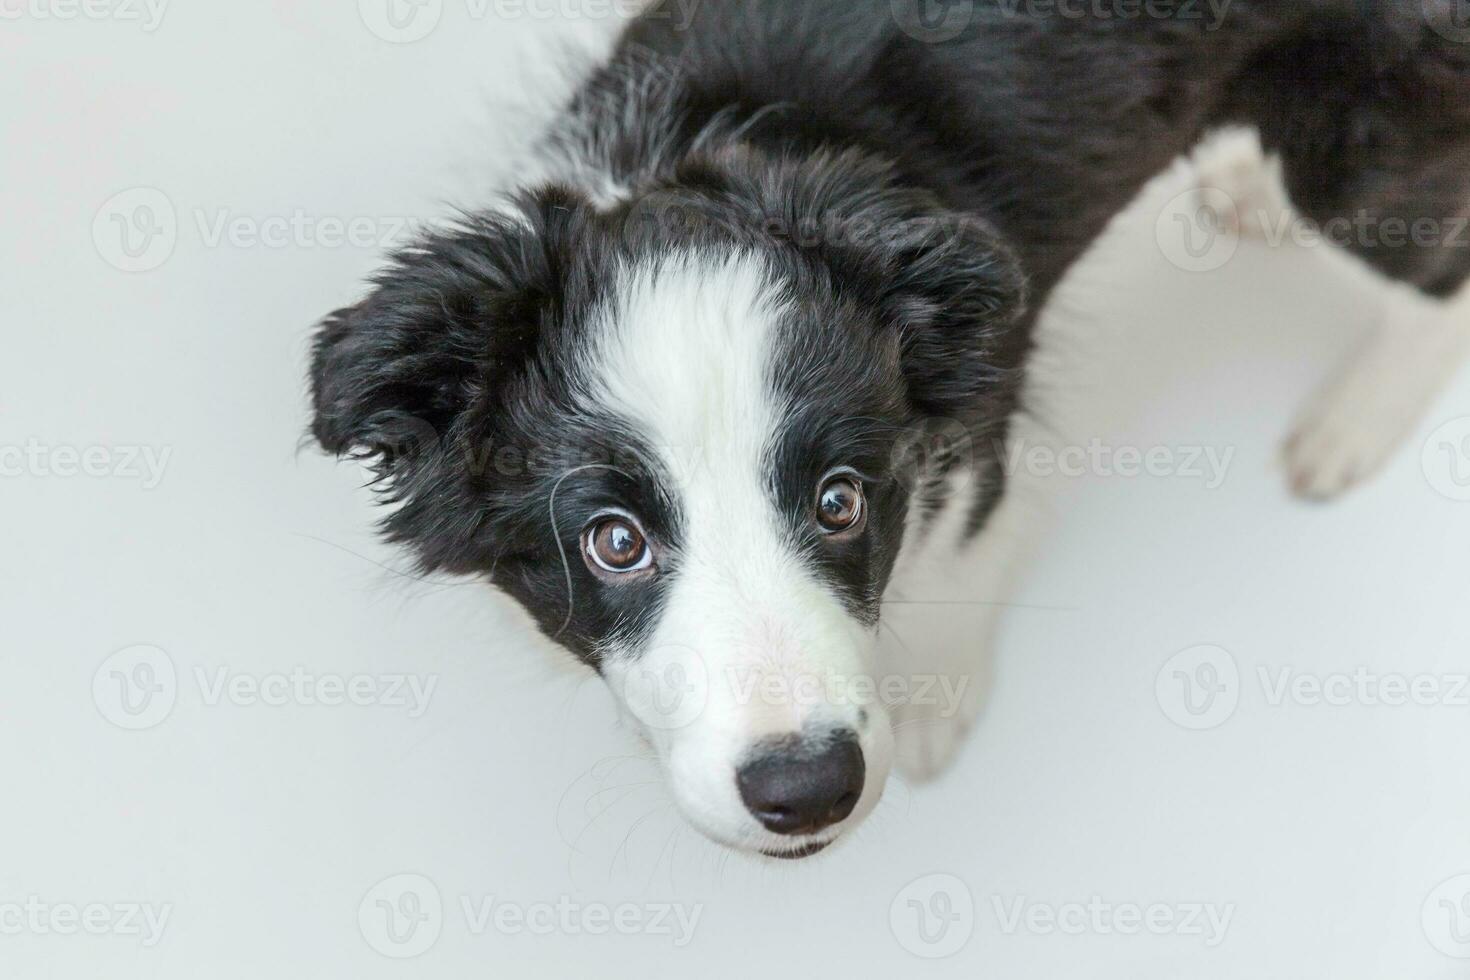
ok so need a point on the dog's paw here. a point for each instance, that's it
(1240, 185)
(924, 747)
(1356, 423)
(1346, 436)
(927, 738)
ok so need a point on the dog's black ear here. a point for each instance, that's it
(957, 293)
(392, 376)
(946, 280)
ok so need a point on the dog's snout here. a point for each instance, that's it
(797, 786)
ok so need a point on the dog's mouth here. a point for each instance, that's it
(803, 851)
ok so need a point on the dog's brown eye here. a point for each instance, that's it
(617, 545)
(840, 504)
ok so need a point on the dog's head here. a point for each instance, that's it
(681, 433)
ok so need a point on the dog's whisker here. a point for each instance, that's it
(556, 533)
(627, 791)
(601, 770)
(423, 579)
(669, 843)
(622, 850)
(979, 603)
(902, 643)
(913, 722)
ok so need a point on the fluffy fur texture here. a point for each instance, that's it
(796, 239)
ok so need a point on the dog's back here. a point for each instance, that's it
(1045, 124)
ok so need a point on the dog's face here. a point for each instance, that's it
(686, 451)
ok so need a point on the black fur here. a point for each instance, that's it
(919, 202)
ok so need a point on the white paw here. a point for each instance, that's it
(1241, 185)
(927, 738)
(1356, 423)
(1346, 436)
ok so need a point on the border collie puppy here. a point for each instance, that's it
(736, 368)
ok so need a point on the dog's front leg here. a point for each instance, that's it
(941, 620)
(1353, 425)
(1362, 416)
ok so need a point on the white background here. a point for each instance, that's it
(1325, 829)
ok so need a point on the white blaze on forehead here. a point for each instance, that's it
(685, 353)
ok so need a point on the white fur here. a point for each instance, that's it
(1233, 161)
(941, 617)
(684, 351)
(1354, 424)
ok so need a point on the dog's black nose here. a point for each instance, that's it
(799, 786)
